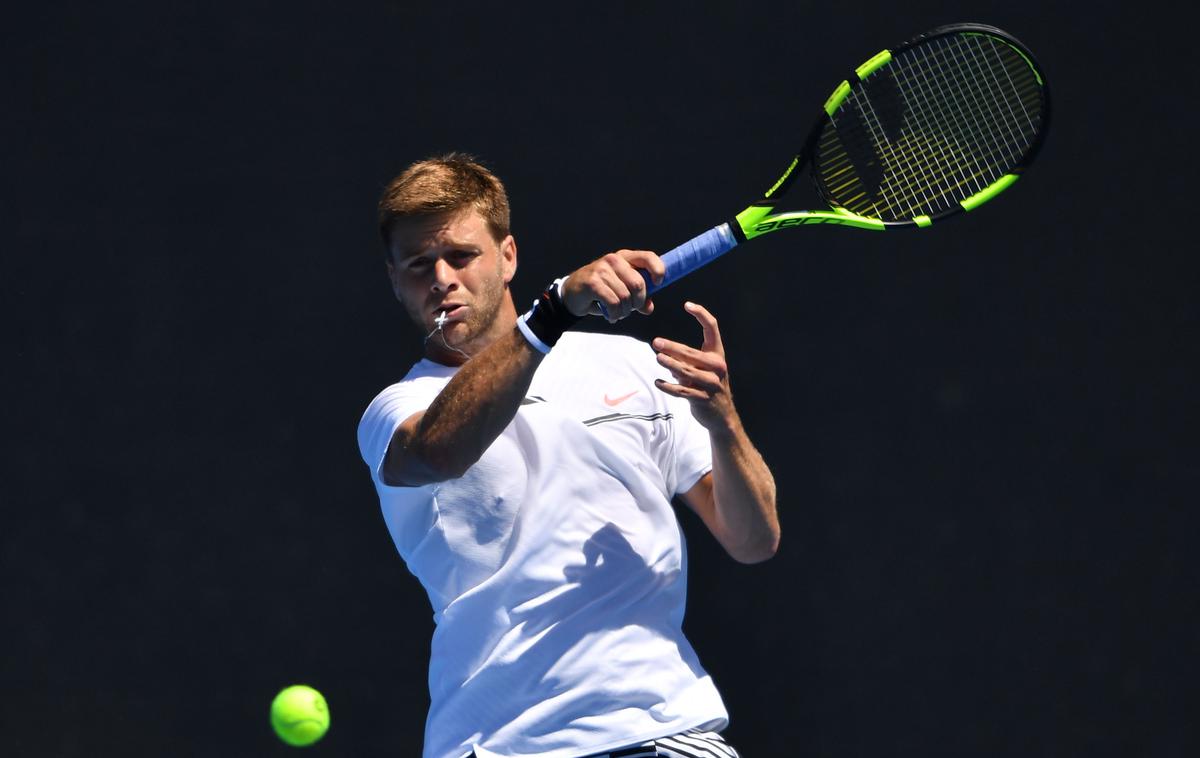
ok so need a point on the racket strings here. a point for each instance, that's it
(988, 140)
(899, 159)
(997, 136)
(970, 111)
(969, 116)
(968, 120)
(938, 157)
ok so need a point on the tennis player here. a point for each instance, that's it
(526, 475)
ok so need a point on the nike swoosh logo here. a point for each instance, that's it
(611, 401)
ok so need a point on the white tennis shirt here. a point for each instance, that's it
(556, 567)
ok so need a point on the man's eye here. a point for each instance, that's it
(418, 264)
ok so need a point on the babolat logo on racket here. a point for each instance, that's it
(768, 226)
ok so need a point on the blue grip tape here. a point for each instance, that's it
(693, 254)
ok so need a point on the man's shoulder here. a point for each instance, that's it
(420, 385)
(599, 355)
(601, 344)
(422, 372)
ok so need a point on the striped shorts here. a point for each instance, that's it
(694, 743)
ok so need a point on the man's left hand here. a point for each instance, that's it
(701, 375)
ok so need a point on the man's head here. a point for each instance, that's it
(443, 186)
(444, 223)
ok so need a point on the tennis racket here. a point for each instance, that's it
(934, 127)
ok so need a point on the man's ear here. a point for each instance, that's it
(508, 258)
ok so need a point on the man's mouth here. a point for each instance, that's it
(446, 312)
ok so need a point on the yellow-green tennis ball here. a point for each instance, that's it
(299, 715)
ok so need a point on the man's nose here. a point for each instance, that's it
(444, 276)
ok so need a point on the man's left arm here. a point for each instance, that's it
(736, 500)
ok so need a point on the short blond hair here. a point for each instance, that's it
(444, 185)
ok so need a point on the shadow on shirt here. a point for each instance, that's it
(601, 641)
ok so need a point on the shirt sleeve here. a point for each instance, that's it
(386, 412)
(693, 449)
(690, 450)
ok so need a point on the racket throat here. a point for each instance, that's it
(768, 223)
(743, 224)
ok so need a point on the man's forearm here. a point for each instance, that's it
(743, 495)
(483, 397)
(466, 417)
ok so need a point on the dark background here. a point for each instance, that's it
(982, 433)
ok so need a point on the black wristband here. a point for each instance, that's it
(546, 321)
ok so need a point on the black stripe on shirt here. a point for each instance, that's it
(623, 416)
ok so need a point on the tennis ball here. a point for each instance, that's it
(299, 715)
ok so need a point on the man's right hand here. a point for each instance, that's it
(614, 280)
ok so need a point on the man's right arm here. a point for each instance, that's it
(483, 397)
(471, 411)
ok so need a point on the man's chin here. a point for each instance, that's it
(453, 337)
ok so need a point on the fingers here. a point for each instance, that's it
(699, 373)
(711, 353)
(646, 261)
(613, 285)
(708, 323)
(678, 390)
(619, 287)
(710, 361)
(692, 375)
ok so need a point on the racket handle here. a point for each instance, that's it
(693, 254)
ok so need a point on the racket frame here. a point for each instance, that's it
(757, 219)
